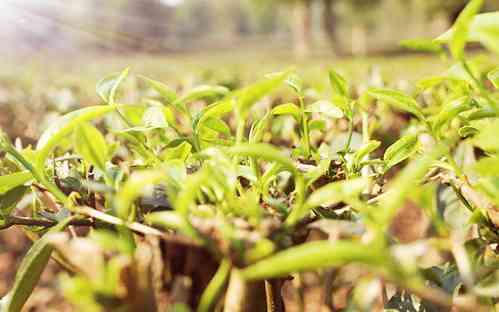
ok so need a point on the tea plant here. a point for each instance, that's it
(165, 205)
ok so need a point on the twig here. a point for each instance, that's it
(15, 220)
(137, 227)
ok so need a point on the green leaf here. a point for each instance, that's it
(258, 128)
(329, 194)
(316, 124)
(266, 152)
(422, 45)
(106, 87)
(488, 166)
(484, 28)
(493, 76)
(13, 180)
(157, 117)
(461, 28)
(404, 184)
(402, 149)
(245, 98)
(397, 99)
(336, 192)
(167, 93)
(325, 108)
(339, 84)
(9, 200)
(312, 256)
(215, 287)
(91, 145)
(450, 111)
(199, 93)
(30, 270)
(218, 125)
(365, 150)
(181, 152)
(138, 183)
(486, 139)
(64, 126)
(287, 109)
(172, 220)
(345, 104)
(295, 82)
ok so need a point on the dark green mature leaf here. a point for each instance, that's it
(167, 93)
(339, 84)
(91, 145)
(10, 181)
(404, 148)
(30, 270)
(64, 126)
(397, 99)
(106, 87)
(313, 256)
(9, 199)
(493, 76)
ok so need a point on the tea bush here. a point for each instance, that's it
(166, 204)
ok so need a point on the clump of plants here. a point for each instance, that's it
(168, 205)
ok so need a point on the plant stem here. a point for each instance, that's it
(304, 121)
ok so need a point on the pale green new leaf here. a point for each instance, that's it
(450, 111)
(493, 76)
(287, 109)
(245, 98)
(91, 145)
(266, 152)
(106, 87)
(325, 108)
(398, 100)
(336, 192)
(313, 256)
(167, 93)
(258, 128)
(402, 149)
(137, 184)
(338, 83)
(9, 200)
(199, 93)
(422, 45)
(64, 126)
(215, 287)
(484, 28)
(10, 181)
(30, 270)
(461, 28)
(403, 184)
(365, 150)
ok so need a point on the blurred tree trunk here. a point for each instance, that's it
(302, 27)
(329, 21)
